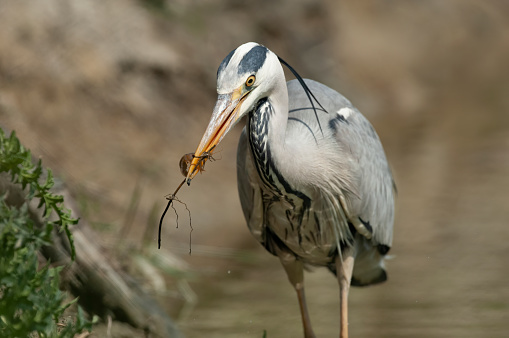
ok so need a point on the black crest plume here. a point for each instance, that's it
(308, 91)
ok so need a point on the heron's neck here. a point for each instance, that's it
(267, 133)
(269, 119)
(277, 125)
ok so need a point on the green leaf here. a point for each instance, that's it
(30, 299)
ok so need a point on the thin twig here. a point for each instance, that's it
(190, 226)
(164, 213)
(174, 198)
(176, 214)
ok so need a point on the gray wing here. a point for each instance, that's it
(249, 191)
(370, 204)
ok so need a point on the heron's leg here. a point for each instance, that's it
(344, 269)
(294, 270)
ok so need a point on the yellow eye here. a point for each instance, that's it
(250, 80)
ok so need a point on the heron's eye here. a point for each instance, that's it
(250, 80)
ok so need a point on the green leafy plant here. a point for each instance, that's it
(31, 302)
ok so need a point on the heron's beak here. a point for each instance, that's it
(225, 115)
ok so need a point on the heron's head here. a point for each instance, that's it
(246, 75)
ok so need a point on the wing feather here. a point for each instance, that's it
(358, 170)
(249, 190)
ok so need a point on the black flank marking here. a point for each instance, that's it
(289, 218)
(290, 201)
(253, 60)
(306, 205)
(367, 225)
(301, 217)
(314, 237)
(318, 227)
(225, 62)
(383, 249)
(352, 229)
(272, 243)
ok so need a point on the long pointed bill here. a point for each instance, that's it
(223, 118)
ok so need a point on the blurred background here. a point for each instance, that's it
(110, 94)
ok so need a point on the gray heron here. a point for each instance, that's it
(313, 179)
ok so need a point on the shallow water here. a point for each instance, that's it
(434, 298)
